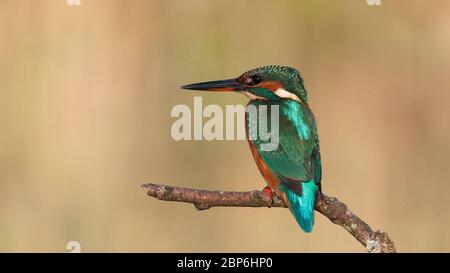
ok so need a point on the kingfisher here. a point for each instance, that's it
(293, 170)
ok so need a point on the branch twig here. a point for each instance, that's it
(330, 207)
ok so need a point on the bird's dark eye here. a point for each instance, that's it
(256, 79)
(250, 80)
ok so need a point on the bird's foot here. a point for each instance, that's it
(267, 191)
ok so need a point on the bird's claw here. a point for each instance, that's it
(267, 191)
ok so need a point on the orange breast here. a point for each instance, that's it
(269, 177)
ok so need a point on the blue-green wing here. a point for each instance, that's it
(297, 158)
(296, 161)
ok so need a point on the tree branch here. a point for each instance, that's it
(330, 207)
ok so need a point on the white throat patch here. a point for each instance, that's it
(251, 96)
(283, 93)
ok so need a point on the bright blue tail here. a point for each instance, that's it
(302, 207)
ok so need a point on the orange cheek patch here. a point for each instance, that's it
(271, 85)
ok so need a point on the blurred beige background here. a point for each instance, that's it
(85, 100)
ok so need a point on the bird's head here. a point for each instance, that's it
(272, 83)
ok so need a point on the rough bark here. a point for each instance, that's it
(338, 213)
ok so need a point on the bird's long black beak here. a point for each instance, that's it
(222, 85)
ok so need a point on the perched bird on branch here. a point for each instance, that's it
(292, 168)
